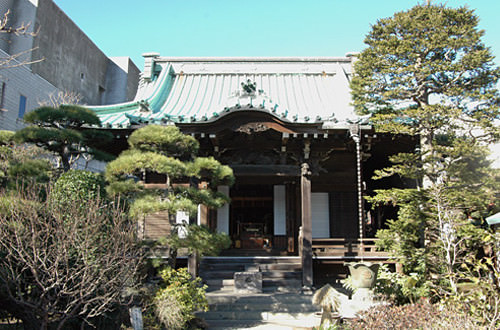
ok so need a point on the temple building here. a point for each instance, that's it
(302, 158)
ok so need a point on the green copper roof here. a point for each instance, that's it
(200, 90)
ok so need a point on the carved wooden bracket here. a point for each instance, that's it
(251, 128)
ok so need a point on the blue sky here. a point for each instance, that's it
(246, 28)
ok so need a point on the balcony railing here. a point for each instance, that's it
(347, 248)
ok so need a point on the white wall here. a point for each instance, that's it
(21, 81)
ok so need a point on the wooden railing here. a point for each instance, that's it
(346, 247)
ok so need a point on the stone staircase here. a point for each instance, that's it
(278, 310)
(281, 305)
(279, 274)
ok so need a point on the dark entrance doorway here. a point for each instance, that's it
(251, 216)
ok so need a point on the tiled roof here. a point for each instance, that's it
(204, 89)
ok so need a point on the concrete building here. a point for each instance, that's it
(69, 62)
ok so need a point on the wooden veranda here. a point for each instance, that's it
(340, 250)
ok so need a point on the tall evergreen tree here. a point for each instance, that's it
(427, 73)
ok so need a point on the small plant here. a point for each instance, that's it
(479, 290)
(178, 298)
(400, 288)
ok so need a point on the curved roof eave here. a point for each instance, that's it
(293, 93)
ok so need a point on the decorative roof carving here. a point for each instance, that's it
(251, 128)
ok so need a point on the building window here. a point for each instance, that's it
(102, 95)
(22, 106)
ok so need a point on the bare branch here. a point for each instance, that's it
(13, 61)
(62, 97)
(25, 29)
(21, 30)
(59, 263)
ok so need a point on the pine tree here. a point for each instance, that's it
(164, 150)
(69, 132)
(427, 73)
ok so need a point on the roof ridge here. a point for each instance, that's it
(255, 59)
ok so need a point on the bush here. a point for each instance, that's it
(22, 165)
(35, 170)
(77, 187)
(178, 298)
(200, 240)
(421, 315)
(400, 288)
(64, 265)
(6, 137)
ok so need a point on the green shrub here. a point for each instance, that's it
(6, 137)
(178, 298)
(200, 240)
(22, 164)
(37, 170)
(479, 290)
(400, 288)
(77, 187)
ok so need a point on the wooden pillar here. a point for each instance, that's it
(305, 200)
(202, 215)
(291, 207)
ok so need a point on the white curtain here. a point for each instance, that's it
(223, 213)
(320, 212)
(279, 210)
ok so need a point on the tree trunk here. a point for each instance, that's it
(65, 159)
(426, 149)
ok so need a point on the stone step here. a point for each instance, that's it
(268, 289)
(281, 266)
(265, 325)
(224, 266)
(219, 274)
(296, 307)
(293, 282)
(247, 260)
(226, 296)
(223, 275)
(254, 315)
(220, 282)
(281, 289)
(282, 274)
(278, 284)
